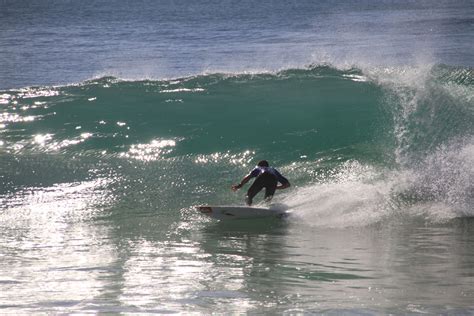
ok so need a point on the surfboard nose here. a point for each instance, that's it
(205, 209)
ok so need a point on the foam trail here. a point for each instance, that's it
(356, 196)
(435, 190)
(441, 185)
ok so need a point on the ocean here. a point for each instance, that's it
(118, 118)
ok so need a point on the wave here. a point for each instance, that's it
(365, 142)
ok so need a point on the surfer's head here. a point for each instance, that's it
(263, 163)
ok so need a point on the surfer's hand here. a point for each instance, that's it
(235, 187)
(283, 186)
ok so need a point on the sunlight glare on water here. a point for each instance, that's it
(117, 120)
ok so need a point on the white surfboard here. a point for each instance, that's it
(243, 212)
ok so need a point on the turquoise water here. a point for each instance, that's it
(111, 136)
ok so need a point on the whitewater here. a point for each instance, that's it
(117, 120)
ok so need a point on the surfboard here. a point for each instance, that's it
(221, 212)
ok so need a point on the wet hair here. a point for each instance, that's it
(263, 163)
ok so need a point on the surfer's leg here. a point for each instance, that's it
(248, 200)
(270, 187)
(253, 190)
(269, 194)
(256, 187)
(265, 180)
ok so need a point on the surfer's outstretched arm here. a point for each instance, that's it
(246, 179)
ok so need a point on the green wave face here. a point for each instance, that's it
(286, 114)
(201, 134)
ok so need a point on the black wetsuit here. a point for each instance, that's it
(268, 178)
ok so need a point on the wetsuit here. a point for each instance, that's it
(268, 178)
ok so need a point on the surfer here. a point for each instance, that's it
(266, 177)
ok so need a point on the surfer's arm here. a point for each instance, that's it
(241, 184)
(284, 181)
(283, 186)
